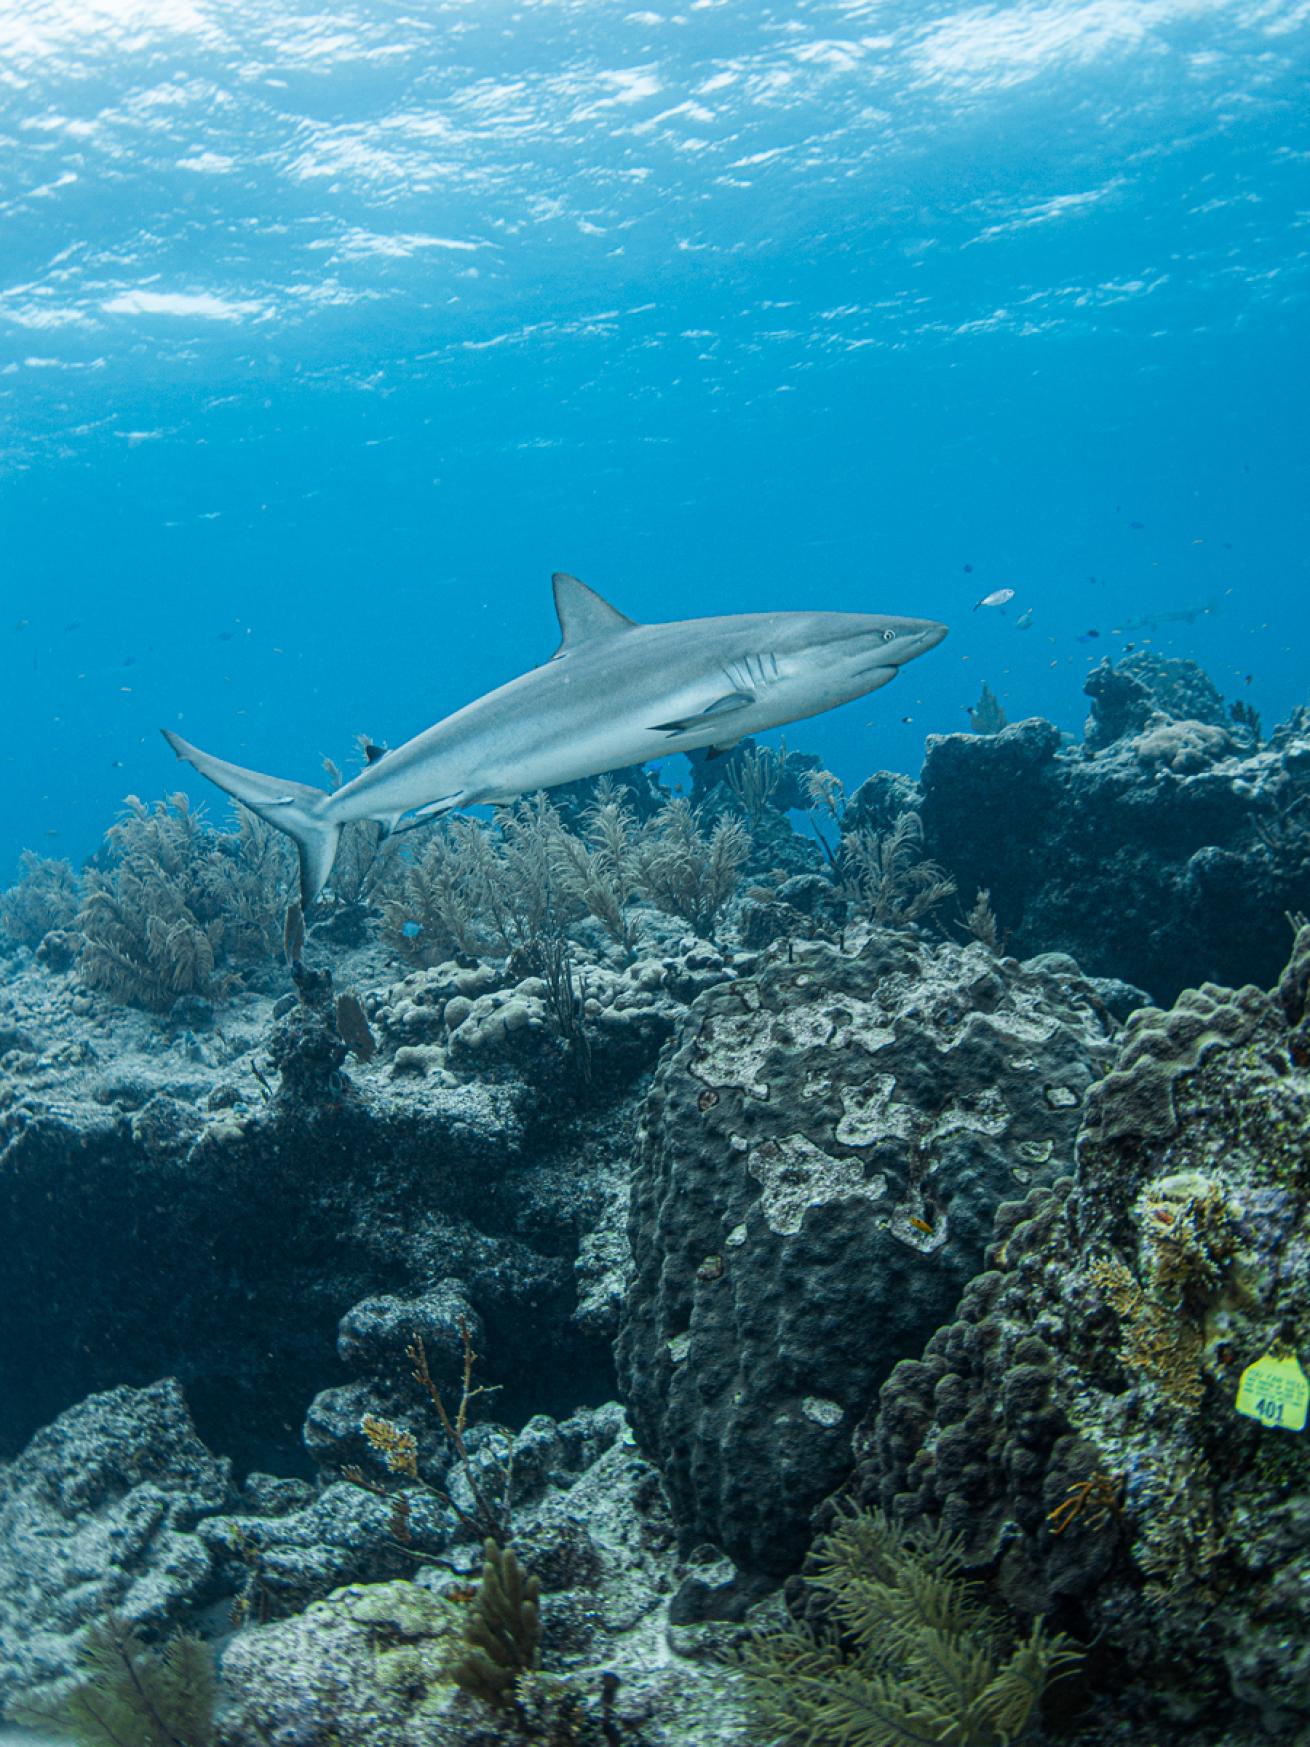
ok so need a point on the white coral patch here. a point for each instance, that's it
(733, 1053)
(823, 1413)
(987, 1114)
(869, 1113)
(1019, 1028)
(869, 1036)
(794, 1175)
(804, 1028)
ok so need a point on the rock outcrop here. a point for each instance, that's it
(1164, 850)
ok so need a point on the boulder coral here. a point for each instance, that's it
(821, 1155)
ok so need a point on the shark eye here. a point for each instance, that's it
(889, 636)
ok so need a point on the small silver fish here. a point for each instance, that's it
(997, 598)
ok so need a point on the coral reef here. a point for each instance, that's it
(365, 1664)
(341, 1629)
(1165, 849)
(623, 1095)
(821, 1155)
(1077, 1423)
(96, 1518)
(125, 1690)
(251, 1170)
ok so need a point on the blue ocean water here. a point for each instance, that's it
(326, 336)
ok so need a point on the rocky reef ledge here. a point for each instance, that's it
(1166, 848)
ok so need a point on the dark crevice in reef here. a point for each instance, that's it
(230, 1268)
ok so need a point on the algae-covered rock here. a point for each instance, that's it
(365, 1665)
(822, 1153)
(373, 1663)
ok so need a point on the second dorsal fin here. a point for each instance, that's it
(583, 615)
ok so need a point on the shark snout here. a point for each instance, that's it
(926, 635)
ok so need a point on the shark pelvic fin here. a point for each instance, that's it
(723, 706)
(582, 614)
(292, 807)
(422, 815)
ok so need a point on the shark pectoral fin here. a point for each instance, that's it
(723, 706)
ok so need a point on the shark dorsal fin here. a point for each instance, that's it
(583, 615)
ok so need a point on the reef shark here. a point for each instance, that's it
(614, 693)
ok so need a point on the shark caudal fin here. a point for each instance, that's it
(293, 807)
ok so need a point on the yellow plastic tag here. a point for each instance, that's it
(1275, 1391)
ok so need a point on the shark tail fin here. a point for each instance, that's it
(295, 808)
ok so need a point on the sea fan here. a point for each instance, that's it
(129, 1692)
(912, 1656)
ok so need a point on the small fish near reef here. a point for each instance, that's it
(614, 693)
(997, 598)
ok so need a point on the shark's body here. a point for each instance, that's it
(614, 693)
